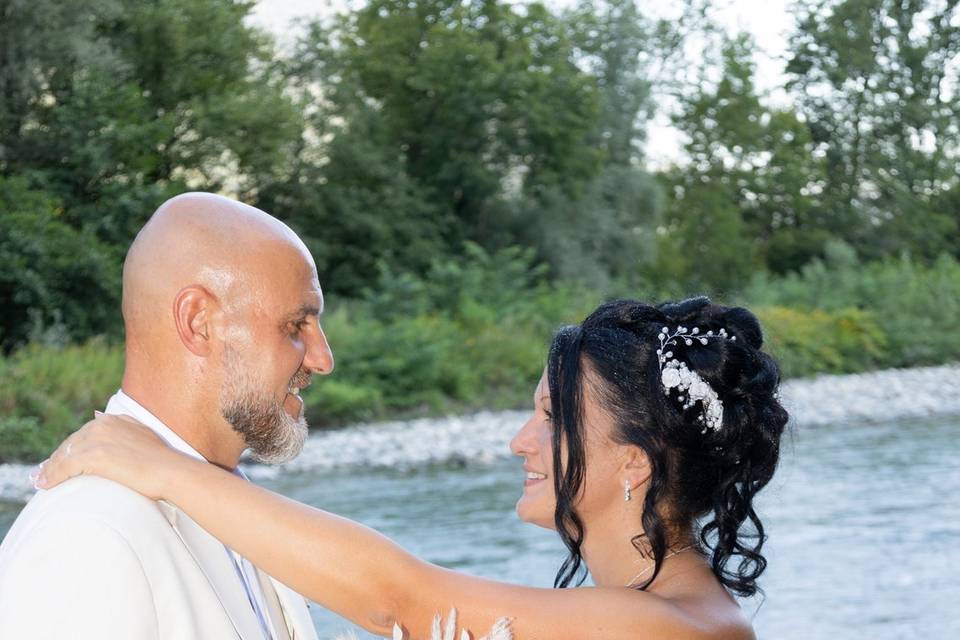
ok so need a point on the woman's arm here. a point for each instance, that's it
(345, 566)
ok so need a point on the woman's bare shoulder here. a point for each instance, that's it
(645, 614)
(713, 617)
(736, 628)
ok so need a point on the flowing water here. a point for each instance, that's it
(864, 525)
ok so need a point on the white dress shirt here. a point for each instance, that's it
(122, 404)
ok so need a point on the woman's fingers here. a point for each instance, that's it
(75, 454)
(115, 447)
(35, 474)
(60, 466)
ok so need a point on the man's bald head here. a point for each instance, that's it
(221, 304)
(202, 239)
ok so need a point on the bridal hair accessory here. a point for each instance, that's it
(675, 374)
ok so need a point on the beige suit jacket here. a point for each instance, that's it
(93, 560)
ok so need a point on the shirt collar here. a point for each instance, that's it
(122, 404)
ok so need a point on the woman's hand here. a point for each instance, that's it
(114, 447)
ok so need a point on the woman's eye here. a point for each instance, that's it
(548, 414)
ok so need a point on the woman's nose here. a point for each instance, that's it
(523, 442)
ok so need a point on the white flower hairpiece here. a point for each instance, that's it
(675, 374)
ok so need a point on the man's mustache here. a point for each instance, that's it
(301, 379)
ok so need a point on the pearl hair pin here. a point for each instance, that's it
(675, 374)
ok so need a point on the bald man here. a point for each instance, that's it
(221, 305)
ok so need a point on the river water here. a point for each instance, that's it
(863, 523)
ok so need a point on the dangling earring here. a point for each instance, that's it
(626, 491)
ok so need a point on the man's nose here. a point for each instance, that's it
(319, 356)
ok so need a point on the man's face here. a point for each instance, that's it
(272, 356)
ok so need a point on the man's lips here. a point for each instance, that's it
(293, 405)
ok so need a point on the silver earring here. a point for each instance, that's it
(626, 491)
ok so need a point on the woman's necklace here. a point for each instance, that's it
(650, 567)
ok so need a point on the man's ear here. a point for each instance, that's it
(192, 311)
(636, 466)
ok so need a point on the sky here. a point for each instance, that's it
(768, 21)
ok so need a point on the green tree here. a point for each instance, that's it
(480, 99)
(607, 234)
(42, 41)
(108, 107)
(354, 204)
(146, 99)
(51, 275)
(877, 82)
(746, 196)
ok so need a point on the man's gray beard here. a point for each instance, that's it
(271, 433)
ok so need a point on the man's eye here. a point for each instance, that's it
(297, 327)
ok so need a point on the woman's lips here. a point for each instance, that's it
(533, 478)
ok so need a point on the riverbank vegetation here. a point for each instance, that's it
(469, 175)
(471, 336)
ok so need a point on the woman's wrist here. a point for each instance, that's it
(173, 476)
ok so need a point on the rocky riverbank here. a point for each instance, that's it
(882, 396)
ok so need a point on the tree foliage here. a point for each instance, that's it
(396, 136)
(144, 100)
(747, 197)
(877, 81)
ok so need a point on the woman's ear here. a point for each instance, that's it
(636, 467)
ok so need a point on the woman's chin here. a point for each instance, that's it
(532, 515)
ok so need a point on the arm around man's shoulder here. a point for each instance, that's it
(69, 570)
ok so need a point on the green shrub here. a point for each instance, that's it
(910, 302)
(50, 271)
(465, 339)
(48, 391)
(22, 439)
(811, 342)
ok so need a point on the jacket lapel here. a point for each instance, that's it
(281, 628)
(213, 559)
(295, 611)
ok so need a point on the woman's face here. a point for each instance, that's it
(602, 489)
(534, 444)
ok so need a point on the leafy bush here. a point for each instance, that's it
(23, 439)
(49, 271)
(910, 302)
(474, 334)
(48, 391)
(471, 334)
(811, 342)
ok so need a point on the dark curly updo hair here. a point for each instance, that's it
(701, 478)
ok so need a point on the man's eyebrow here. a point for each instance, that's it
(304, 311)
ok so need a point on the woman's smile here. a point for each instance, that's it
(533, 477)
